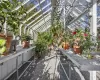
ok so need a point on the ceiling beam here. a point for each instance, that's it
(39, 17)
(34, 7)
(39, 21)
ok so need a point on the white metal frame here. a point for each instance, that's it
(43, 27)
(32, 17)
(39, 21)
(32, 8)
(38, 17)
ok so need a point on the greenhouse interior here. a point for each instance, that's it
(49, 39)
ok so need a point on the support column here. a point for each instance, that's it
(93, 27)
(92, 75)
(93, 31)
(20, 29)
(25, 29)
(31, 32)
(64, 17)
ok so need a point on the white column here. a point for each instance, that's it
(25, 29)
(92, 75)
(35, 36)
(93, 31)
(93, 27)
(31, 33)
(20, 29)
(64, 18)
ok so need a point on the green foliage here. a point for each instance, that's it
(98, 43)
(41, 44)
(2, 46)
(46, 39)
(98, 39)
(10, 15)
(25, 37)
(84, 40)
(2, 42)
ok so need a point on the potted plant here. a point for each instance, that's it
(82, 42)
(77, 39)
(25, 40)
(65, 41)
(40, 48)
(41, 44)
(11, 17)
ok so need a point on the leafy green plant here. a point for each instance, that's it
(2, 46)
(10, 15)
(26, 37)
(98, 39)
(41, 44)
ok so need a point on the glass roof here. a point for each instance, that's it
(40, 13)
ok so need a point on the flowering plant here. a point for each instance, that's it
(82, 38)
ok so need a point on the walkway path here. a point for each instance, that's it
(45, 69)
(49, 68)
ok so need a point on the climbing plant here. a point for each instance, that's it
(10, 15)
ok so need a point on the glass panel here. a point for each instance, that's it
(48, 7)
(38, 17)
(98, 11)
(36, 2)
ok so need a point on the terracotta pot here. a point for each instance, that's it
(8, 42)
(77, 49)
(25, 44)
(65, 45)
(2, 36)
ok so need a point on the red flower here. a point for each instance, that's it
(85, 34)
(74, 33)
